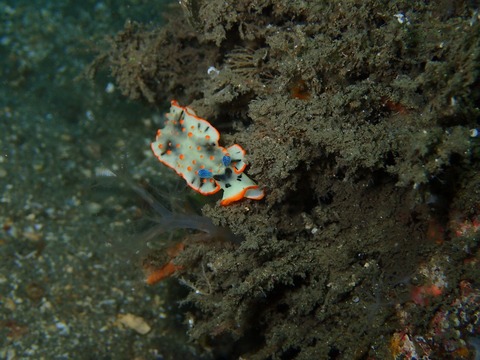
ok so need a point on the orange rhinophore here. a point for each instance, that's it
(190, 146)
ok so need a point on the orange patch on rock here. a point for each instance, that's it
(421, 295)
(156, 275)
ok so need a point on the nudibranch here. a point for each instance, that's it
(190, 145)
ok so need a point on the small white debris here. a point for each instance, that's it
(474, 133)
(213, 71)
(475, 17)
(62, 328)
(89, 115)
(453, 101)
(102, 171)
(190, 322)
(134, 322)
(402, 18)
(110, 88)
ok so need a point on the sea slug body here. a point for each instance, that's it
(190, 146)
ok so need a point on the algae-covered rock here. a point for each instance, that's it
(356, 118)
